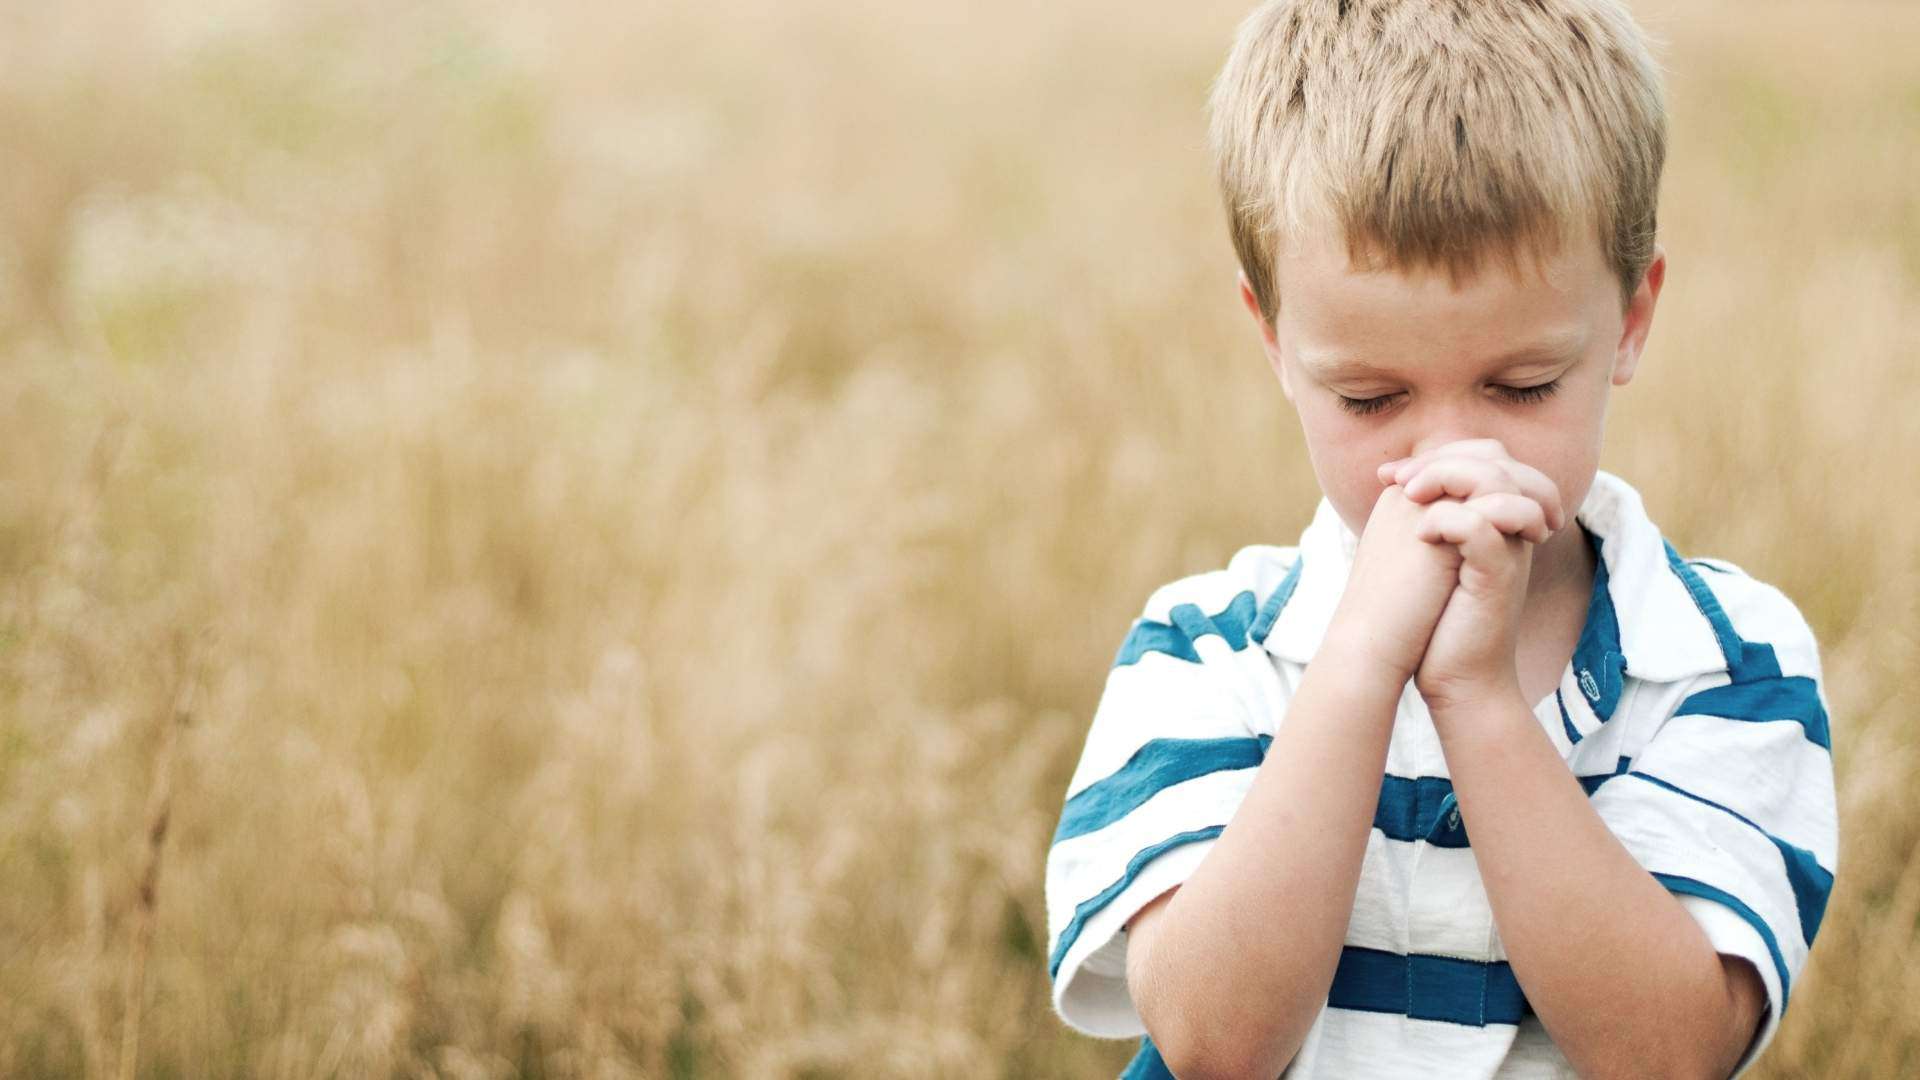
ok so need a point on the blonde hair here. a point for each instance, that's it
(1433, 132)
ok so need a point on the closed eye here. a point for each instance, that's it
(1523, 394)
(1365, 406)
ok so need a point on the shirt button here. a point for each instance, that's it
(1453, 821)
(1589, 685)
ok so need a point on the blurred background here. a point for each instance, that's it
(583, 541)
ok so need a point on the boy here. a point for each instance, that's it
(1481, 778)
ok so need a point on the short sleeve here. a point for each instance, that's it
(1730, 804)
(1178, 734)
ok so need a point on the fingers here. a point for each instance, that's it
(1461, 478)
(1472, 530)
(1477, 448)
(1465, 478)
(1513, 514)
(1506, 513)
(1475, 467)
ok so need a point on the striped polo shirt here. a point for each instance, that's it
(1691, 712)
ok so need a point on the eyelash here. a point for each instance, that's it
(1523, 394)
(1364, 406)
(1519, 395)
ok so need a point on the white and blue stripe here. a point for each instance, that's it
(1691, 713)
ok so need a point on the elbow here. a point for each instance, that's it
(1196, 1051)
(1213, 1061)
(1704, 1050)
(1695, 1059)
(1682, 1065)
(1203, 1030)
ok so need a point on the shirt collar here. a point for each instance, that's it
(1642, 620)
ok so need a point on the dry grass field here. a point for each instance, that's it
(598, 529)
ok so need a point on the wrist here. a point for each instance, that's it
(1357, 647)
(1470, 698)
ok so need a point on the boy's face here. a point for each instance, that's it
(1384, 365)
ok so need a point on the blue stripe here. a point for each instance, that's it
(1599, 664)
(1415, 809)
(1187, 623)
(1690, 887)
(1811, 882)
(1420, 808)
(1230, 623)
(1105, 896)
(1422, 987)
(1149, 636)
(1159, 764)
(1788, 697)
(1427, 987)
(1270, 610)
(1757, 663)
(1573, 733)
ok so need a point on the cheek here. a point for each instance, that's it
(1333, 439)
(1346, 458)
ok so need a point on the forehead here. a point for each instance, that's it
(1332, 306)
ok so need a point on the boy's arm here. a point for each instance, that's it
(1229, 971)
(1622, 977)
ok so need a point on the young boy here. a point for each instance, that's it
(1444, 212)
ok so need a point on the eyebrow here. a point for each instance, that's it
(1543, 351)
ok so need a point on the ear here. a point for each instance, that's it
(1639, 318)
(1269, 341)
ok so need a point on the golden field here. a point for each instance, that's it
(598, 532)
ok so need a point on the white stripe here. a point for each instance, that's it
(1082, 867)
(1449, 915)
(1385, 870)
(1668, 833)
(1346, 1042)
(1767, 771)
(1158, 697)
(1762, 614)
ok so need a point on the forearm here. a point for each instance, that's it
(1243, 954)
(1623, 979)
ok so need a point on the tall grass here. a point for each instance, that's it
(645, 499)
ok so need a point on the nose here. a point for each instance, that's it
(1446, 422)
(1440, 438)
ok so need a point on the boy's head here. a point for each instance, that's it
(1419, 191)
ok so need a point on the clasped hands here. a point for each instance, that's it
(1443, 567)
